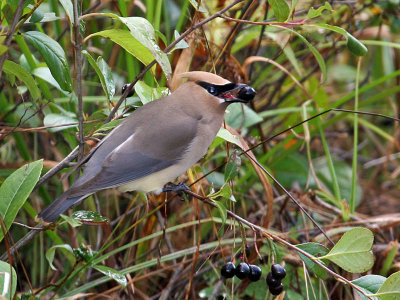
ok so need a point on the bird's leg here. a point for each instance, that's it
(180, 187)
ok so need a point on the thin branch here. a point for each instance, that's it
(10, 34)
(78, 69)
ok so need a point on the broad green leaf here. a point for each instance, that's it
(281, 9)
(229, 137)
(12, 68)
(293, 168)
(316, 250)
(45, 74)
(54, 56)
(89, 217)
(8, 280)
(233, 166)
(313, 13)
(353, 251)
(108, 80)
(69, 9)
(59, 119)
(109, 126)
(37, 15)
(126, 40)
(354, 45)
(317, 55)
(113, 274)
(390, 289)
(51, 252)
(104, 73)
(239, 116)
(369, 284)
(144, 33)
(147, 94)
(15, 190)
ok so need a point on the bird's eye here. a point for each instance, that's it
(211, 90)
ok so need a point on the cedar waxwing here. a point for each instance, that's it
(157, 142)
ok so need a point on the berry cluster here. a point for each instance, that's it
(274, 279)
(242, 271)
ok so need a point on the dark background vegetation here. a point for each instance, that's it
(173, 248)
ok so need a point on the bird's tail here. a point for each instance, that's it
(60, 205)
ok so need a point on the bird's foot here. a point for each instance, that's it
(179, 188)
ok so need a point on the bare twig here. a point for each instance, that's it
(78, 69)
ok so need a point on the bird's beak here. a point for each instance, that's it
(239, 93)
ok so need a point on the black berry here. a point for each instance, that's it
(242, 271)
(255, 273)
(278, 271)
(272, 281)
(276, 290)
(228, 270)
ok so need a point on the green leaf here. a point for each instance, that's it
(54, 56)
(390, 289)
(89, 217)
(109, 126)
(113, 274)
(181, 44)
(281, 9)
(233, 166)
(15, 190)
(239, 115)
(354, 45)
(126, 40)
(229, 137)
(104, 73)
(147, 94)
(369, 284)
(59, 119)
(37, 15)
(293, 168)
(144, 33)
(12, 68)
(222, 212)
(45, 74)
(195, 4)
(316, 250)
(353, 251)
(69, 9)
(8, 282)
(71, 221)
(313, 13)
(51, 252)
(314, 51)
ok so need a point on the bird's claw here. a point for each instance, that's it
(179, 188)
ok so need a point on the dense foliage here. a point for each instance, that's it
(304, 181)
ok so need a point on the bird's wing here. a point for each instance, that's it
(140, 155)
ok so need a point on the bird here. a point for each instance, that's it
(156, 143)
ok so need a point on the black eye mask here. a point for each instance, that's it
(230, 92)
